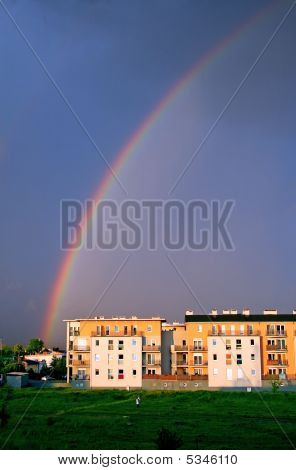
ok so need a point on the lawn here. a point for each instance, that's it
(77, 419)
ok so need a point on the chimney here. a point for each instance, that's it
(189, 312)
(270, 311)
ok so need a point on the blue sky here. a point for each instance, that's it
(114, 61)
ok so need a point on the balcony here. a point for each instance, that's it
(271, 332)
(119, 334)
(81, 347)
(234, 333)
(181, 364)
(276, 347)
(198, 348)
(194, 364)
(75, 362)
(277, 362)
(81, 377)
(180, 348)
(156, 362)
(149, 348)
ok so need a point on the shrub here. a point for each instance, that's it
(167, 440)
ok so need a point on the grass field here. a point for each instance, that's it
(72, 419)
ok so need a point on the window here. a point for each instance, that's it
(228, 359)
(134, 372)
(110, 345)
(125, 331)
(242, 329)
(149, 328)
(199, 328)
(239, 359)
(120, 359)
(223, 329)
(97, 372)
(214, 357)
(232, 329)
(134, 330)
(240, 374)
(120, 345)
(184, 342)
(228, 344)
(110, 374)
(253, 372)
(215, 371)
(134, 342)
(97, 357)
(214, 342)
(250, 328)
(214, 329)
(99, 330)
(134, 357)
(252, 357)
(197, 371)
(238, 344)
(116, 328)
(97, 342)
(229, 374)
(197, 360)
(79, 357)
(107, 330)
(252, 341)
(110, 358)
(120, 374)
(150, 358)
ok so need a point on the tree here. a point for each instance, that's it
(18, 350)
(58, 366)
(13, 367)
(167, 440)
(35, 345)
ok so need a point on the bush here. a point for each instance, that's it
(167, 440)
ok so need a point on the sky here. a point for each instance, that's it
(114, 61)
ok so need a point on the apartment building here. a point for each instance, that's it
(113, 352)
(269, 336)
(227, 349)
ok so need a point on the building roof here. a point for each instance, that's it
(17, 373)
(117, 319)
(240, 318)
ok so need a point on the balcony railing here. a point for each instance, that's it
(234, 333)
(81, 377)
(277, 362)
(121, 333)
(149, 347)
(156, 362)
(180, 348)
(271, 332)
(80, 347)
(181, 363)
(80, 363)
(276, 347)
(198, 348)
(194, 364)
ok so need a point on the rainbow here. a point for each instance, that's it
(67, 264)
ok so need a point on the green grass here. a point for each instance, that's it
(77, 419)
